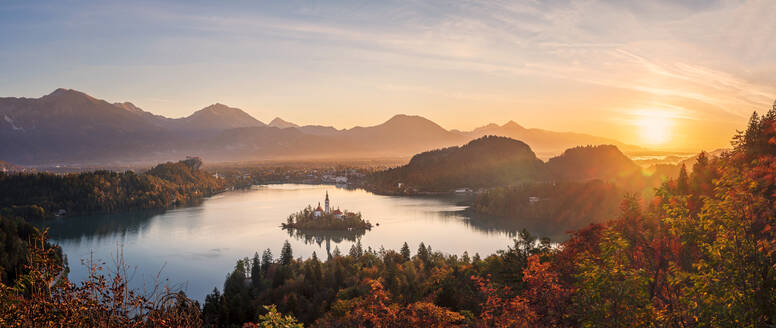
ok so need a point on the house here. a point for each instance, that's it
(318, 211)
(338, 214)
(341, 179)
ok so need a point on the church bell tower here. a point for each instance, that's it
(327, 203)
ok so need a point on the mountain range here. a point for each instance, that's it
(68, 126)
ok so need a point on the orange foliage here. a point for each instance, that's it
(376, 310)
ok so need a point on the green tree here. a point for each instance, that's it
(356, 250)
(286, 254)
(256, 270)
(213, 308)
(236, 298)
(266, 261)
(683, 181)
(405, 252)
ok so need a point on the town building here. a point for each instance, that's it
(326, 209)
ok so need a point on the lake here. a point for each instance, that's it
(194, 248)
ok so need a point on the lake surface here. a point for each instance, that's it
(194, 248)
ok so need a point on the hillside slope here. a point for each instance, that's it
(484, 162)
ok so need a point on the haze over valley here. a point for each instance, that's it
(71, 127)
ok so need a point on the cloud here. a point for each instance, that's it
(710, 54)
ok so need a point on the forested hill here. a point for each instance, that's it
(499, 161)
(165, 185)
(604, 162)
(483, 162)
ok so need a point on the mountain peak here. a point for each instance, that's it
(219, 107)
(408, 119)
(61, 91)
(281, 123)
(404, 117)
(66, 93)
(220, 116)
(411, 122)
(512, 125)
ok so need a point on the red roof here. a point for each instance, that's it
(337, 211)
(319, 208)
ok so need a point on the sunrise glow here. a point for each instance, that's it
(655, 129)
(460, 64)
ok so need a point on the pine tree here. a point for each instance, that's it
(316, 268)
(465, 257)
(683, 182)
(423, 254)
(752, 131)
(771, 115)
(700, 174)
(405, 252)
(266, 261)
(356, 250)
(286, 254)
(701, 162)
(256, 270)
(212, 310)
(744, 139)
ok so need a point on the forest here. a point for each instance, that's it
(43, 195)
(701, 252)
(29, 196)
(568, 204)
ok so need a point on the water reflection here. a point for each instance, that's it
(98, 227)
(512, 226)
(319, 237)
(197, 245)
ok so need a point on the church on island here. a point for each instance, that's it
(326, 218)
(318, 212)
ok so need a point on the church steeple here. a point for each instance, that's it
(327, 202)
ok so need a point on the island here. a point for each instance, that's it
(324, 219)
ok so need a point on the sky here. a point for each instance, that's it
(670, 75)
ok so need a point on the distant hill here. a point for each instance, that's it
(484, 162)
(549, 142)
(280, 123)
(219, 117)
(71, 127)
(319, 130)
(493, 161)
(402, 134)
(604, 162)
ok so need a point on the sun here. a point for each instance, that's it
(655, 129)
